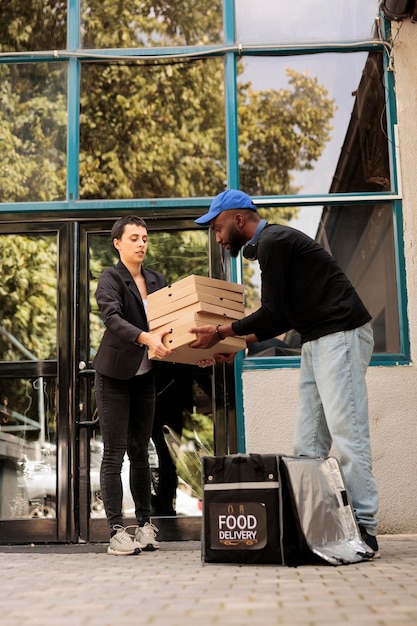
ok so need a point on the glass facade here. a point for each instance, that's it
(111, 107)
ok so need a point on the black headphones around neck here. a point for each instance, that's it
(250, 249)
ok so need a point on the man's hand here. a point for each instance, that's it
(206, 337)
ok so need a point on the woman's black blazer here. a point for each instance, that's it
(123, 314)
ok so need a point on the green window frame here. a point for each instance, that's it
(230, 51)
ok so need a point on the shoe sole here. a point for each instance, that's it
(149, 547)
(113, 552)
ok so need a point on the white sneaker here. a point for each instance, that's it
(122, 544)
(145, 536)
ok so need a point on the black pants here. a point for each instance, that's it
(126, 410)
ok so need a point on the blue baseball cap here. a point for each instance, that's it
(229, 199)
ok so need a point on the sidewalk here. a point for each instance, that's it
(81, 585)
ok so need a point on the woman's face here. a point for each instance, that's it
(132, 245)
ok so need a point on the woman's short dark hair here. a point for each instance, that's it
(119, 226)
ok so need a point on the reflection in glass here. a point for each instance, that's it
(27, 448)
(33, 25)
(152, 130)
(187, 462)
(320, 124)
(33, 128)
(137, 24)
(28, 297)
(268, 21)
(361, 239)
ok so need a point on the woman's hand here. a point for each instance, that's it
(224, 358)
(206, 362)
(154, 341)
(217, 358)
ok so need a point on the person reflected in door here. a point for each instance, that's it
(125, 384)
(175, 385)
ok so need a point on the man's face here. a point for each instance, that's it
(132, 245)
(228, 234)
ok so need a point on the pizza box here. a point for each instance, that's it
(179, 339)
(172, 294)
(197, 307)
(196, 319)
(159, 309)
(204, 281)
(179, 334)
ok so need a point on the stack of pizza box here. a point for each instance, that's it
(191, 302)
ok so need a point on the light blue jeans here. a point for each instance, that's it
(333, 408)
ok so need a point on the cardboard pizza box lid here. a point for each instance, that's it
(195, 279)
(196, 307)
(159, 308)
(171, 293)
(196, 318)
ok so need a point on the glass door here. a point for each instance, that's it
(196, 412)
(35, 382)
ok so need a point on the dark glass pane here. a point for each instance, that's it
(152, 131)
(28, 297)
(33, 25)
(27, 448)
(313, 124)
(269, 21)
(361, 239)
(137, 24)
(33, 128)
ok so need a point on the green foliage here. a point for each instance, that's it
(27, 25)
(33, 123)
(139, 23)
(152, 130)
(197, 440)
(28, 287)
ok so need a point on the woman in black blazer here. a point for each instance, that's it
(125, 386)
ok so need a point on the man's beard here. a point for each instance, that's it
(235, 241)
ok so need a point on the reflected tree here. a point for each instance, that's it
(28, 302)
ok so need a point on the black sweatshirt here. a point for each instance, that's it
(302, 289)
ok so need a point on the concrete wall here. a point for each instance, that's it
(270, 397)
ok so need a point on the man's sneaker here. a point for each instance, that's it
(122, 544)
(145, 536)
(370, 541)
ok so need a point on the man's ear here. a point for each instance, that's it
(240, 219)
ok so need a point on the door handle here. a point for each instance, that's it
(93, 423)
